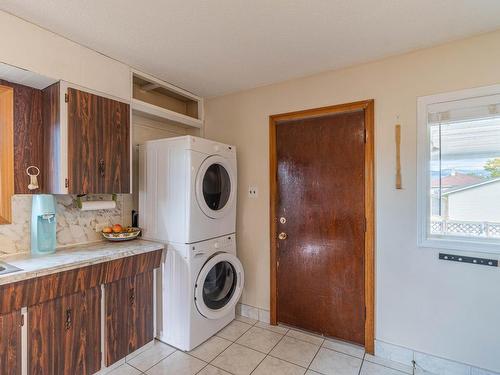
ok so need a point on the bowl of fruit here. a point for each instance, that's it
(119, 233)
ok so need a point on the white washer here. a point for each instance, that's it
(202, 283)
(187, 189)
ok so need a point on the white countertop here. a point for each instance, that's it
(68, 258)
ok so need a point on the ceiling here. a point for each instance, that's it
(217, 47)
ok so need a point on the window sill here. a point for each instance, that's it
(461, 244)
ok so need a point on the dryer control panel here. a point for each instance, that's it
(226, 244)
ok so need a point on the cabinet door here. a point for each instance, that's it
(129, 315)
(114, 146)
(10, 343)
(98, 144)
(64, 335)
(83, 135)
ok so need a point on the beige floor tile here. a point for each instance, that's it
(330, 362)
(234, 330)
(178, 363)
(369, 368)
(152, 356)
(295, 351)
(246, 320)
(388, 363)
(124, 370)
(313, 339)
(238, 359)
(210, 348)
(275, 366)
(278, 329)
(212, 370)
(260, 339)
(344, 347)
(311, 372)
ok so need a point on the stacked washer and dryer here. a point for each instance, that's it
(187, 199)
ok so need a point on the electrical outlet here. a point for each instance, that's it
(253, 192)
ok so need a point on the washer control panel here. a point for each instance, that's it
(222, 244)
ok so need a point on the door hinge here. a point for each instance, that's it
(365, 312)
(66, 98)
(365, 225)
(66, 183)
(22, 320)
(364, 136)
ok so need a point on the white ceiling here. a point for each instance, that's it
(221, 46)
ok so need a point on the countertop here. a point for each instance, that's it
(68, 258)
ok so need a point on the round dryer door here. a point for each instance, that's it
(219, 285)
(215, 186)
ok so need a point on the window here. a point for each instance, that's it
(459, 170)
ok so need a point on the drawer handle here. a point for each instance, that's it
(101, 167)
(69, 320)
(132, 296)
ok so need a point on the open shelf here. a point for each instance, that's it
(161, 101)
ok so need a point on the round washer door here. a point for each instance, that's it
(219, 285)
(215, 186)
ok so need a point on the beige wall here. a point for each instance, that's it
(449, 310)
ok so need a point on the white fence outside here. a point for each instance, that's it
(465, 228)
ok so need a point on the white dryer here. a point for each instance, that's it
(187, 189)
(202, 283)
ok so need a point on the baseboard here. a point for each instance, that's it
(253, 312)
(425, 363)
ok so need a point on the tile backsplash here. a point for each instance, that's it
(73, 226)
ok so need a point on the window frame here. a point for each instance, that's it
(424, 238)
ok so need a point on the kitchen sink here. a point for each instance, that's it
(7, 268)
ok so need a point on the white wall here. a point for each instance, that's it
(446, 309)
(30, 47)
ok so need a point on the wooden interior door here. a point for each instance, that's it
(320, 213)
(64, 335)
(129, 315)
(10, 343)
(98, 144)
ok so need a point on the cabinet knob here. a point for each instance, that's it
(101, 167)
(132, 296)
(69, 320)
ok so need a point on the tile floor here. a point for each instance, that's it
(247, 347)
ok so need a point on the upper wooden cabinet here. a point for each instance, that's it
(87, 142)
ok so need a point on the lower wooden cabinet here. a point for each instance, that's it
(10, 343)
(129, 315)
(64, 335)
(64, 317)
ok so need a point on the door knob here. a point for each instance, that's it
(282, 236)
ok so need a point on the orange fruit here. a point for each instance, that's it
(117, 228)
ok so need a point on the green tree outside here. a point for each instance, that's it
(493, 166)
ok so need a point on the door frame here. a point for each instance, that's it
(368, 107)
